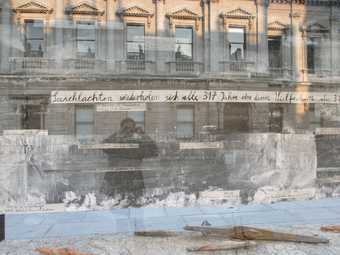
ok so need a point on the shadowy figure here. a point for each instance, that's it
(126, 179)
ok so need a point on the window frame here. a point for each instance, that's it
(77, 123)
(78, 53)
(185, 107)
(191, 44)
(26, 21)
(127, 40)
(280, 37)
(317, 62)
(244, 48)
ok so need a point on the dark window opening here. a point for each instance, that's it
(34, 38)
(275, 52)
(86, 39)
(236, 117)
(313, 55)
(185, 122)
(32, 116)
(84, 120)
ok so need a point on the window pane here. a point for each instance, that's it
(185, 115)
(34, 29)
(183, 51)
(34, 45)
(87, 48)
(183, 35)
(274, 54)
(135, 33)
(133, 47)
(84, 129)
(184, 130)
(313, 54)
(86, 31)
(84, 115)
(136, 116)
(236, 51)
(236, 35)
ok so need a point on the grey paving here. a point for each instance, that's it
(34, 226)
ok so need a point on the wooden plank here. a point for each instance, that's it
(334, 229)
(229, 245)
(156, 233)
(59, 251)
(250, 233)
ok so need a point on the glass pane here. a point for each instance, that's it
(34, 45)
(236, 35)
(84, 129)
(135, 33)
(84, 115)
(183, 35)
(34, 29)
(274, 54)
(184, 130)
(86, 31)
(87, 48)
(236, 51)
(136, 116)
(185, 115)
(183, 51)
(135, 47)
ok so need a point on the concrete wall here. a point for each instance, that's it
(37, 168)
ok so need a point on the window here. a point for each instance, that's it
(275, 118)
(139, 118)
(135, 42)
(184, 45)
(34, 38)
(315, 116)
(275, 52)
(86, 39)
(84, 120)
(313, 54)
(185, 123)
(32, 116)
(236, 37)
(236, 117)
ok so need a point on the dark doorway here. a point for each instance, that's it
(32, 117)
(275, 52)
(236, 117)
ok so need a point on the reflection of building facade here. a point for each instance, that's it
(246, 45)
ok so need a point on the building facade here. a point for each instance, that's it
(258, 45)
(151, 45)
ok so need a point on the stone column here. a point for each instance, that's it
(59, 30)
(5, 36)
(110, 29)
(262, 31)
(298, 48)
(334, 44)
(162, 51)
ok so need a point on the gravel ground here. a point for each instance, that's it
(132, 245)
